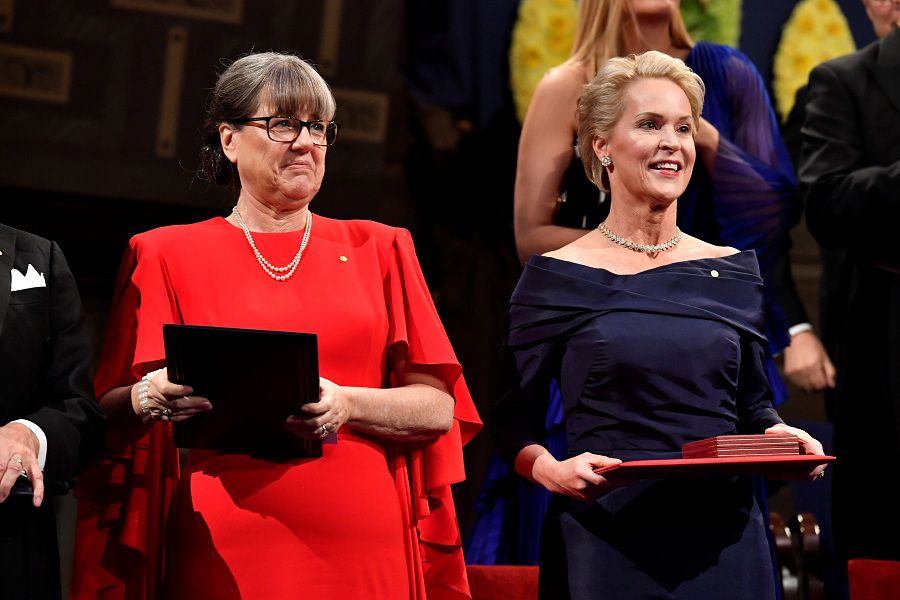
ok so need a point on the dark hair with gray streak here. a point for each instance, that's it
(286, 82)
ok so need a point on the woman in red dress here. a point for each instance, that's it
(373, 517)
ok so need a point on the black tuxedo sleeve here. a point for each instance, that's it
(68, 413)
(785, 285)
(849, 201)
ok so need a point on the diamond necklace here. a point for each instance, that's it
(646, 248)
(276, 273)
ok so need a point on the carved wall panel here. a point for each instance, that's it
(105, 98)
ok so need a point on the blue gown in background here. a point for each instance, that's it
(749, 202)
(645, 363)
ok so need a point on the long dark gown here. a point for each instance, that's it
(645, 363)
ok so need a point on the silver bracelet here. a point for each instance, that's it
(143, 390)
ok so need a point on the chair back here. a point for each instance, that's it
(873, 579)
(503, 582)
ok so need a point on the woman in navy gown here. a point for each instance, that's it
(656, 338)
(743, 194)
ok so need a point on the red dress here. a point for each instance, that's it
(370, 519)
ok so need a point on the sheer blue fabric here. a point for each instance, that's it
(752, 191)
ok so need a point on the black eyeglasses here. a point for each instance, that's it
(287, 129)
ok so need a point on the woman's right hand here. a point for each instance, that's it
(575, 477)
(167, 401)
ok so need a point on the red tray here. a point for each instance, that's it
(701, 467)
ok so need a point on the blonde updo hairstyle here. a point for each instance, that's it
(602, 101)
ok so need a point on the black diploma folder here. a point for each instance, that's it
(254, 380)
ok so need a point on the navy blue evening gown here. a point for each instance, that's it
(645, 363)
(749, 200)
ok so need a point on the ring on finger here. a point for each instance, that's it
(161, 414)
(325, 430)
(18, 459)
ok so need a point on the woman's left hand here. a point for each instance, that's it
(808, 445)
(319, 419)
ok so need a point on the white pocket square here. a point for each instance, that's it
(31, 279)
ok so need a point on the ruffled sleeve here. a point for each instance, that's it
(124, 499)
(423, 473)
(143, 302)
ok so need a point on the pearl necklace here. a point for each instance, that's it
(646, 248)
(276, 273)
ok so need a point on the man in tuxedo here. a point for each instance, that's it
(50, 423)
(850, 178)
(882, 15)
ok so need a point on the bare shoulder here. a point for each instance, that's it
(568, 73)
(562, 82)
(589, 250)
(695, 248)
(565, 253)
(552, 105)
(579, 251)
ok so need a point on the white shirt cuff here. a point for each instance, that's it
(42, 440)
(799, 328)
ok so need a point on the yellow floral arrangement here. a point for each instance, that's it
(816, 31)
(545, 32)
(542, 38)
(713, 20)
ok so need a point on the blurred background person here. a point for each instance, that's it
(373, 517)
(850, 173)
(51, 424)
(882, 15)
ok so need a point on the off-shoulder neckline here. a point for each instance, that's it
(677, 263)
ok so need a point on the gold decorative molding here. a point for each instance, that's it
(330, 36)
(362, 115)
(6, 15)
(170, 97)
(224, 11)
(35, 73)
